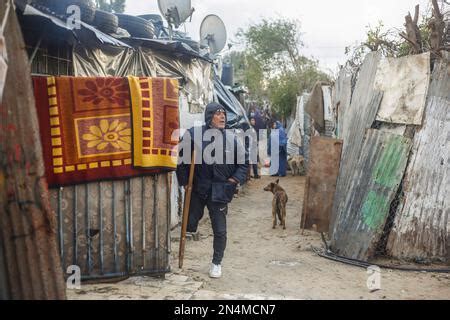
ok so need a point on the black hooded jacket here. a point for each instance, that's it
(211, 180)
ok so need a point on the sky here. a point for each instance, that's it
(328, 26)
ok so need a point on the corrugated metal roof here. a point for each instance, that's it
(421, 227)
(366, 203)
(358, 118)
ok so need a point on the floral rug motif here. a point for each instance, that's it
(86, 128)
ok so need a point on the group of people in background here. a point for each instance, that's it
(264, 120)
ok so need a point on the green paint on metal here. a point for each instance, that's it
(387, 173)
(387, 169)
(375, 209)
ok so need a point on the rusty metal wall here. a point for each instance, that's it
(375, 181)
(421, 229)
(323, 173)
(113, 229)
(358, 118)
(28, 227)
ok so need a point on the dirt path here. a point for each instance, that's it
(264, 263)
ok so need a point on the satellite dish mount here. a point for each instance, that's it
(176, 12)
(213, 33)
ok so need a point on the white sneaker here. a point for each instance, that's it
(215, 271)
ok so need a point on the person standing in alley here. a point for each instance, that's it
(278, 166)
(215, 182)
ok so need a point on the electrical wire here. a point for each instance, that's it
(327, 254)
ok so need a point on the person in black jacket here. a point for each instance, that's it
(215, 182)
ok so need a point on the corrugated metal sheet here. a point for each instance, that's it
(342, 96)
(323, 172)
(375, 182)
(421, 228)
(358, 118)
(115, 228)
(404, 82)
(27, 223)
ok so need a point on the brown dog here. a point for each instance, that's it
(280, 199)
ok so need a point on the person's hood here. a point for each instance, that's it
(211, 109)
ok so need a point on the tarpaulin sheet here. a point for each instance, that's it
(236, 114)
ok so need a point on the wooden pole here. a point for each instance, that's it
(187, 205)
(305, 206)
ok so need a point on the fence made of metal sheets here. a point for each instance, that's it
(421, 229)
(358, 118)
(113, 229)
(374, 183)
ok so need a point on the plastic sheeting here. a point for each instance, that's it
(297, 130)
(236, 114)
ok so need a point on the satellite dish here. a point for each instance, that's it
(213, 33)
(175, 11)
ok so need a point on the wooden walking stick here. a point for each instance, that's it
(187, 205)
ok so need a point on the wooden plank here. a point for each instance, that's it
(322, 175)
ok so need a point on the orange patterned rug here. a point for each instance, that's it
(96, 129)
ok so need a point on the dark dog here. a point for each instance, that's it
(280, 199)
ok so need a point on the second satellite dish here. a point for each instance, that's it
(213, 33)
(176, 11)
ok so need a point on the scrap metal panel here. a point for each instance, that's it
(323, 172)
(115, 228)
(359, 117)
(404, 82)
(421, 229)
(342, 96)
(375, 182)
